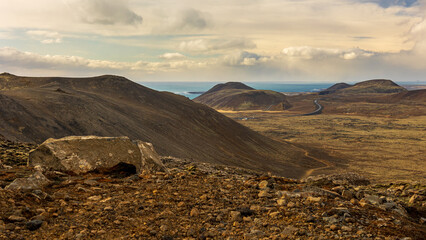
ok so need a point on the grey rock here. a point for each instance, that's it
(34, 224)
(331, 220)
(151, 161)
(14, 218)
(348, 194)
(289, 231)
(34, 182)
(338, 179)
(82, 154)
(400, 210)
(263, 194)
(389, 205)
(310, 219)
(263, 184)
(235, 216)
(373, 199)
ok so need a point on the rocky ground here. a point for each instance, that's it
(204, 201)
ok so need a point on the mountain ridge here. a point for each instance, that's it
(34, 109)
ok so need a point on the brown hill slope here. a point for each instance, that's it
(229, 85)
(334, 88)
(226, 97)
(373, 86)
(33, 109)
(414, 95)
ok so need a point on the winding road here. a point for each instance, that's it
(317, 111)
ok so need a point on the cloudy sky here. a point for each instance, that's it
(220, 40)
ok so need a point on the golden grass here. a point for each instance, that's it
(380, 148)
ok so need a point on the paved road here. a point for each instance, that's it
(317, 111)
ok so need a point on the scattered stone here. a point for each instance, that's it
(348, 194)
(263, 184)
(281, 202)
(346, 229)
(389, 205)
(14, 218)
(310, 219)
(245, 211)
(34, 224)
(274, 214)
(334, 227)
(194, 212)
(235, 216)
(108, 208)
(289, 231)
(373, 199)
(95, 198)
(206, 202)
(314, 199)
(263, 194)
(413, 199)
(400, 210)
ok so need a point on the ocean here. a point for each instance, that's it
(195, 89)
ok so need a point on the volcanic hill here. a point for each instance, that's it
(334, 88)
(373, 86)
(369, 86)
(238, 97)
(33, 109)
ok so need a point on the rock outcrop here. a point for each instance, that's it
(82, 154)
(151, 162)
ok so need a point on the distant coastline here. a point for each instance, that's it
(195, 89)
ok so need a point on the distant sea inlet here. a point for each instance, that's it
(195, 89)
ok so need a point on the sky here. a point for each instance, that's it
(222, 40)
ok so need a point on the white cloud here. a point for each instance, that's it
(307, 52)
(244, 58)
(46, 37)
(172, 56)
(204, 45)
(325, 38)
(29, 60)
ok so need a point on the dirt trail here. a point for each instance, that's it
(307, 154)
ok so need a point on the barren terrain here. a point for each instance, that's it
(367, 128)
(204, 201)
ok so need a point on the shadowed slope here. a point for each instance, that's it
(34, 109)
(414, 95)
(334, 88)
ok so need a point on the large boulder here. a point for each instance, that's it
(82, 154)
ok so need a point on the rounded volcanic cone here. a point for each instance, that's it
(240, 97)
